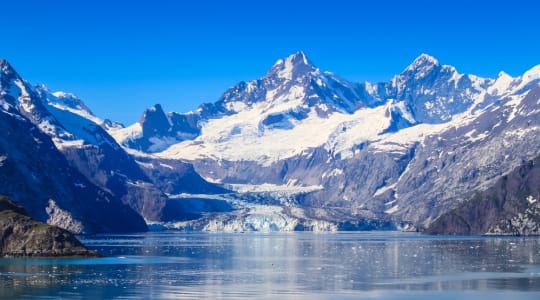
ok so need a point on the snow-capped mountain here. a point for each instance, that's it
(297, 149)
(71, 103)
(434, 92)
(291, 91)
(295, 98)
(372, 148)
(39, 177)
(82, 140)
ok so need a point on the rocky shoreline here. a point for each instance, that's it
(22, 236)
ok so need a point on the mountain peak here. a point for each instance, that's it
(503, 74)
(4, 62)
(63, 99)
(423, 61)
(154, 120)
(6, 68)
(294, 65)
(422, 66)
(298, 58)
(532, 74)
(153, 112)
(156, 107)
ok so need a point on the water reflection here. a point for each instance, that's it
(292, 265)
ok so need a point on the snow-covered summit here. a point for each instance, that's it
(424, 66)
(70, 103)
(62, 116)
(295, 107)
(506, 85)
(530, 78)
(435, 92)
(369, 148)
(294, 79)
(422, 62)
(291, 91)
(291, 67)
(532, 74)
(66, 100)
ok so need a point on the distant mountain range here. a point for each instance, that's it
(297, 149)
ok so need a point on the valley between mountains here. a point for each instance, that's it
(299, 148)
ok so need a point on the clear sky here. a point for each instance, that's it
(123, 56)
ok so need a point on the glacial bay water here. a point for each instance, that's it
(300, 265)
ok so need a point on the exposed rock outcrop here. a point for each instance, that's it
(20, 235)
(526, 223)
(509, 207)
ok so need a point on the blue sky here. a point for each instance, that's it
(123, 56)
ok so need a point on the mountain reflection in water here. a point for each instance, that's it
(379, 265)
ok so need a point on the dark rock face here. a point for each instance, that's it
(191, 209)
(23, 236)
(160, 130)
(154, 124)
(102, 161)
(60, 163)
(33, 172)
(177, 177)
(524, 223)
(154, 121)
(38, 176)
(398, 121)
(509, 207)
(118, 173)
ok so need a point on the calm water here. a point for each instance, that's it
(283, 265)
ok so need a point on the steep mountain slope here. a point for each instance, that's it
(290, 91)
(80, 141)
(38, 176)
(84, 141)
(294, 99)
(86, 145)
(370, 149)
(23, 236)
(96, 155)
(510, 206)
(297, 149)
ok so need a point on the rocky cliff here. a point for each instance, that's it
(22, 236)
(509, 207)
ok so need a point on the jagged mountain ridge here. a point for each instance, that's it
(277, 106)
(325, 151)
(293, 79)
(38, 176)
(293, 88)
(372, 148)
(79, 142)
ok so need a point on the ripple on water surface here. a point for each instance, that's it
(374, 265)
